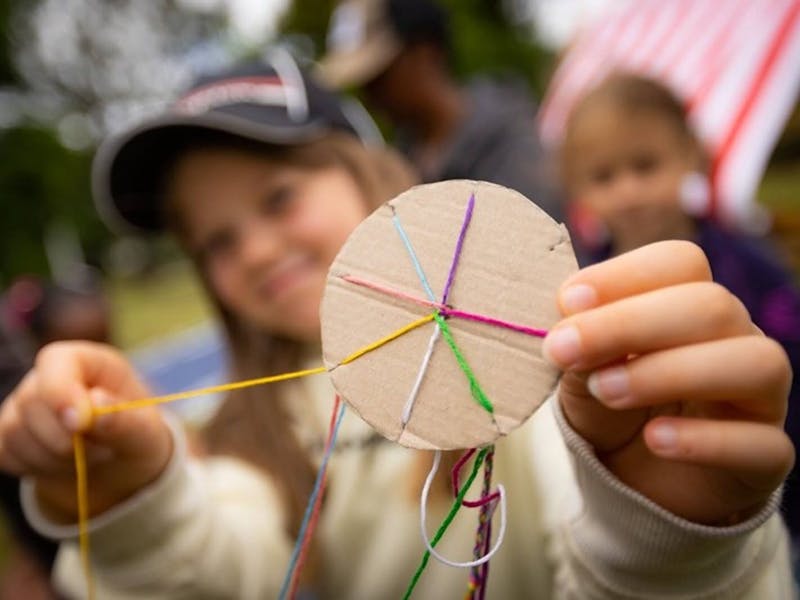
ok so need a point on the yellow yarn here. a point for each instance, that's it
(80, 451)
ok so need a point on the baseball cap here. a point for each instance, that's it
(275, 103)
(365, 36)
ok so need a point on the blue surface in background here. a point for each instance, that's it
(189, 360)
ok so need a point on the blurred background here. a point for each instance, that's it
(74, 71)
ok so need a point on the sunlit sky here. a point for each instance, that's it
(252, 19)
(557, 20)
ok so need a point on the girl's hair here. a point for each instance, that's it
(253, 424)
(633, 95)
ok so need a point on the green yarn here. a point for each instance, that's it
(474, 386)
(448, 519)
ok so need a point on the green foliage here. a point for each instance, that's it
(308, 18)
(168, 300)
(41, 183)
(485, 42)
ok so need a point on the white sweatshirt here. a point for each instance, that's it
(215, 528)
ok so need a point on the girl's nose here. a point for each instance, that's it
(628, 189)
(260, 245)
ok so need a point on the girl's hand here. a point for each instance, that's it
(682, 397)
(125, 450)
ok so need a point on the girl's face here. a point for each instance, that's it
(266, 233)
(627, 169)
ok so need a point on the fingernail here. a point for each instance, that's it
(71, 419)
(663, 437)
(99, 397)
(562, 347)
(610, 385)
(578, 297)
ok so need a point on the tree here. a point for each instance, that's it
(42, 184)
(72, 71)
(109, 61)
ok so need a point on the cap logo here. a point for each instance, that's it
(348, 28)
(269, 91)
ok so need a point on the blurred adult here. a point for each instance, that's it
(61, 312)
(398, 52)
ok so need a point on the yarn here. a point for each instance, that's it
(311, 514)
(442, 311)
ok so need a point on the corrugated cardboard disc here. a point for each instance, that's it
(513, 259)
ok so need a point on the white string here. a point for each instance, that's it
(423, 368)
(423, 510)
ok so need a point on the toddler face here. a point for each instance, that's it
(266, 233)
(627, 169)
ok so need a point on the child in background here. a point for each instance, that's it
(28, 557)
(631, 160)
(46, 311)
(35, 312)
(260, 176)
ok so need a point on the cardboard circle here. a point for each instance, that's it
(513, 259)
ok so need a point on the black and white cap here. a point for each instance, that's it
(276, 103)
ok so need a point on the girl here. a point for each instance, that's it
(630, 158)
(672, 488)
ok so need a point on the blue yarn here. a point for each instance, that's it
(309, 507)
(413, 255)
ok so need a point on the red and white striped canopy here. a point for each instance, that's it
(736, 64)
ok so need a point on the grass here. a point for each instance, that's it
(780, 193)
(780, 188)
(166, 301)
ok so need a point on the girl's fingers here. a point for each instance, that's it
(10, 464)
(61, 383)
(46, 427)
(751, 372)
(24, 448)
(666, 318)
(82, 365)
(759, 455)
(56, 399)
(651, 267)
(130, 432)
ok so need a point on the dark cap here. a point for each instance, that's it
(267, 103)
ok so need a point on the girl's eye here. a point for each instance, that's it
(279, 199)
(601, 175)
(645, 163)
(218, 245)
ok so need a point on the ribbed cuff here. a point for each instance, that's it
(632, 545)
(105, 524)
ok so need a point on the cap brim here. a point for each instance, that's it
(345, 69)
(128, 168)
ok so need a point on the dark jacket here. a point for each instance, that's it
(498, 142)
